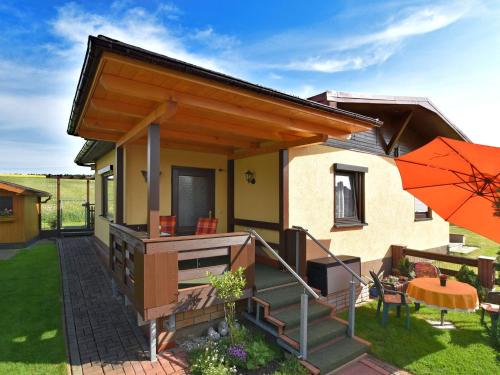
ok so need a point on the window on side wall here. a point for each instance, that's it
(6, 206)
(349, 195)
(108, 193)
(422, 211)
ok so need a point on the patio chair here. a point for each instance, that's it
(206, 225)
(425, 269)
(390, 298)
(492, 306)
(167, 224)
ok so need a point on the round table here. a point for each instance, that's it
(455, 296)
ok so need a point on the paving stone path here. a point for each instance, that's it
(102, 335)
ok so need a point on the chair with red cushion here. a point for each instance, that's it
(167, 224)
(206, 225)
(425, 269)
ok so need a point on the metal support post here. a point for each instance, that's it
(249, 305)
(304, 304)
(152, 340)
(297, 255)
(352, 307)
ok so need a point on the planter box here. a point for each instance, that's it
(7, 219)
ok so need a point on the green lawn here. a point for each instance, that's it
(423, 349)
(31, 335)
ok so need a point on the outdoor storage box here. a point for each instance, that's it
(328, 275)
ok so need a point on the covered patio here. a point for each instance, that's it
(158, 113)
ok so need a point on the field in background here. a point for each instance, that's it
(73, 195)
(484, 246)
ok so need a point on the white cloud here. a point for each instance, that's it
(217, 41)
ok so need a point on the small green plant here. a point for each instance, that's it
(467, 275)
(260, 353)
(229, 287)
(291, 366)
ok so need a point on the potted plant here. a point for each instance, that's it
(442, 279)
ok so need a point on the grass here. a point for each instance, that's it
(426, 350)
(73, 194)
(31, 335)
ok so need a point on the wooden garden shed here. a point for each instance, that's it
(20, 215)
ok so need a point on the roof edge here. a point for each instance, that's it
(97, 45)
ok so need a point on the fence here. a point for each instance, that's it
(485, 267)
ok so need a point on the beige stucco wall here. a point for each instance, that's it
(101, 230)
(389, 210)
(136, 186)
(259, 201)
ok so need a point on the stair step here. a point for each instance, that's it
(280, 297)
(319, 332)
(291, 316)
(335, 355)
(269, 277)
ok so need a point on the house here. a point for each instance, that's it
(20, 219)
(169, 138)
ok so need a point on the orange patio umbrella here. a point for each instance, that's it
(458, 180)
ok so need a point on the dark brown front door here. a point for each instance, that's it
(193, 196)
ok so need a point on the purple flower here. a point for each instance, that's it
(238, 352)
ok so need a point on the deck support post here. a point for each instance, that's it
(152, 340)
(249, 306)
(352, 307)
(304, 304)
(153, 213)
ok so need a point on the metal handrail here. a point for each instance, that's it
(294, 274)
(354, 274)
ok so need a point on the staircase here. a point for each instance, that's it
(277, 309)
(300, 319)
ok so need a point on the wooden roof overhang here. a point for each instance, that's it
(123, 89)
(22, 190)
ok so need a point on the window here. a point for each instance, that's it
(108, 196)
(6, 206)
(349, 195)
(422, 212)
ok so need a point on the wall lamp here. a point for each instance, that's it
(250, 177)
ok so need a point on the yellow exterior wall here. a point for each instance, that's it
(389, 210)
(31, 209)
(136, 187)
(259, 201)
(101, 230)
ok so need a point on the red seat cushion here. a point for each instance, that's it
(392, 298)
(425, 269)
(167, 224)
(206, 225)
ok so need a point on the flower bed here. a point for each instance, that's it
(249, 352)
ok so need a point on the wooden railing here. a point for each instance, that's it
(155, 274)
(449, 264)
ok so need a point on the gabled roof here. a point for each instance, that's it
(389, 100)
(22, 190)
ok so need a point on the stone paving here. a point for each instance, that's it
(102, 336)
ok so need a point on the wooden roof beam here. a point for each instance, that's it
(163, 111)
(92, 123)
(117, 107)
(318, 139)
(395, 138)
(147, 91)
(202, 138)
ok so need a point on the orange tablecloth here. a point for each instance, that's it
(454, 296)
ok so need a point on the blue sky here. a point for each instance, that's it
(448, 51)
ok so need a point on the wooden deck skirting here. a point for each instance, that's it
(147, 270)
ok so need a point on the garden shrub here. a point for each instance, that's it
(405, 267)
(229, 287)
(260, 353)
(467, 275)
(209, 360)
